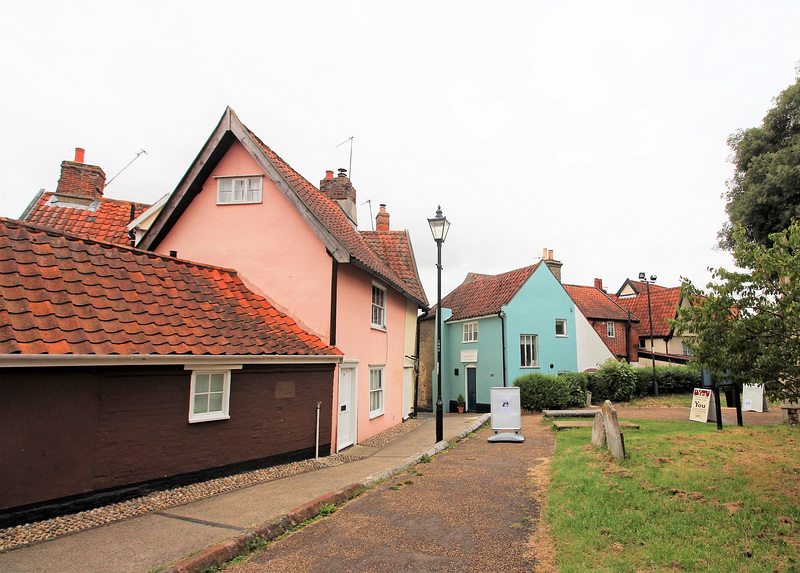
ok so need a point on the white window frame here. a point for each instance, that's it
(685, 348)
(532, 341)
(224, 412)
(611, 329)
(562, 321)
(377, 391)
(378, 308)
(250, 190)
(469, 332)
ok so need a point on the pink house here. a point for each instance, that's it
(241, 206)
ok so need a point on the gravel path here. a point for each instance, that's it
(29, 533)
(473, 508)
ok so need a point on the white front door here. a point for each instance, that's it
(347, 425)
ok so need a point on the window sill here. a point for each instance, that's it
(530, 367)
(208, 418)
(240, 203)
(377, 327)
(373, 415)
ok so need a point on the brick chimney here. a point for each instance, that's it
(598, 284)
(340, 190)
(382, 219)
(80, 183)
(552, 264)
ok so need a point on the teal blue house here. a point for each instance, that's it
(496, 328)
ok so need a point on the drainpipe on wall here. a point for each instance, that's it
(502, 316)
(628, 339)
(416, 371)
(334, 297)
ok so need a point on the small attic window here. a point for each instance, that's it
(239, 190)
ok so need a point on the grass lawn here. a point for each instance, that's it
(673, 400)
(687, 498)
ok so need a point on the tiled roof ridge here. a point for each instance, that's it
(76, 237)
(487, 295)
(607, 298)
(387, 273)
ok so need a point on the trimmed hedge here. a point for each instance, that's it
(543, 392)
(671, 379)
(615, 381)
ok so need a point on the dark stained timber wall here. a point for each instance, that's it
(65, 432)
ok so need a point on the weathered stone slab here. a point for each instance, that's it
(613, 436)
(598, 431)
(575, 424)
(569, 413)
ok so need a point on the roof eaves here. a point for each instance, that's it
(188, 360)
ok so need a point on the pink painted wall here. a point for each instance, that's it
(357, 339)
(271, 246)
(278, 256)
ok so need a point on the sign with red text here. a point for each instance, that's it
(703, 406)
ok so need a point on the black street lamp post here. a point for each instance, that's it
(439, 227)
(653, 278)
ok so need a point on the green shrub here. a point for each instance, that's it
(543, 392)
(671, 379)
(614, 380)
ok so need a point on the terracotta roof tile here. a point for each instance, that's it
(664, 302)
(486, 294)
(62, 294)
(394, 247)
(595, 303)
(103, 220)
(337, 223)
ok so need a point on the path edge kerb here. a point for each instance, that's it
(240, 544)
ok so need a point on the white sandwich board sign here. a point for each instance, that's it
(753, 398)
(506, 409)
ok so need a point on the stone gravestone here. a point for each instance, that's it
(598, 431)
(606, 431)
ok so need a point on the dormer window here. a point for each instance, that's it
(238, 190)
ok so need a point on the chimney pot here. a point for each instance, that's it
(79, 154)
(382, 219)
(340, 190)
(550, 254)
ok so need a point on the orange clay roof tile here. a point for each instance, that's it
(104, 220)
(62, 294)
(664, 302)
(595, 303)
(486, 294)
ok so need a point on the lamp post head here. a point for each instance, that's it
(439, 226)
(642, 276)
(653, 278)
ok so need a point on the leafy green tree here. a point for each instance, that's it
(746, 325)
(764, 194)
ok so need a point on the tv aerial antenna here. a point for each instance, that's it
(349, 167)
(124, 168)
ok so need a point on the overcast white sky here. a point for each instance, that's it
(596, 129)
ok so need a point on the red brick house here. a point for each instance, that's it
(122, 369)
(669, 347)
(612, 323)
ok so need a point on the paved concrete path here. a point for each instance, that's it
(471, 508)
(150, 541)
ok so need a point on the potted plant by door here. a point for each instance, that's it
(460, 402)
